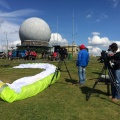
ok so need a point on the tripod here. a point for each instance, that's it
(58, 68)
(103, 77)
(115, 83)
(107, 79)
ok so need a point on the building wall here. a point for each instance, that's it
(34, 43)
(72, 49)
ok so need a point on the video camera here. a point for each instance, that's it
(104, 57)
(107, 57)
(63, 53)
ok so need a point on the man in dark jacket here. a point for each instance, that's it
(82, 62)
(115, 84)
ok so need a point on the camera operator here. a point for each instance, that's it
(115, 69)
(63, 53)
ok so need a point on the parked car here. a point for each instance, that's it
(16, 54)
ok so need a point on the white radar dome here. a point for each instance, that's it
(35, 29)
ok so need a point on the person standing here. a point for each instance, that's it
(115, 69)
(81, 63)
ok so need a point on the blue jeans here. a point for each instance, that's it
(81, 74)
(115, 93)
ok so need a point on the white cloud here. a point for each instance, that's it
(96, 40)
(104, 16)
(115, 3)
(4, 4)
(9, 32)
(98, 20)
(56, 39)
(9, 25)
(89, 14)
(101, 17)
(95, 33)
(11, 28)
(16, 16)
(97, 44)
(94, 50)
(14, 43)
(18, 13)
(118, 43)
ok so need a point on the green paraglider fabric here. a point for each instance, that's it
(10, 95)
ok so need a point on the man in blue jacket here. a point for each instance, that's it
(82, 62)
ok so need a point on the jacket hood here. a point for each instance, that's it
(82, 47)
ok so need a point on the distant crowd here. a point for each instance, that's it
(32, 55)
(26, 54)
(54, 55)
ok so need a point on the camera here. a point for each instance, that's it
(63, 53)
(108, 58)
(104, 57)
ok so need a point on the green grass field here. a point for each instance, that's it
(61, 101)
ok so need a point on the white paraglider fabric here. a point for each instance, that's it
(19, 83)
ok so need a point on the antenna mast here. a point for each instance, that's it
(7, 43)
(57, 30)
(73, 34)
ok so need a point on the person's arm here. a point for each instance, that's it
(116, 58)
(117, 62)
(78, 59)
(88, 58)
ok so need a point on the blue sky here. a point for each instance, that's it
(96, 22)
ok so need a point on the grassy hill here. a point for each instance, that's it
(63, 100)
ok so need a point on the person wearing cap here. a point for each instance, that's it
(81, 63)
